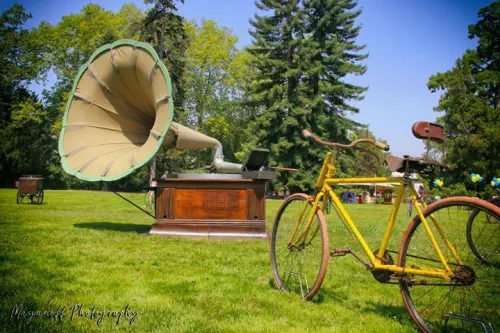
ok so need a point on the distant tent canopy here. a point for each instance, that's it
(348, 197)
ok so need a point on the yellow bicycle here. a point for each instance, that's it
(445, 285)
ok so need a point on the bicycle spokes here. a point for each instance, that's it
(299, 263)
(471, 297)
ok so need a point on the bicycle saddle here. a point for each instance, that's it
(421, 130)
(395, 163)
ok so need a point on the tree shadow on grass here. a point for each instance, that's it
(394, 312)
(21, 294)
(324, 295)
(123, 227)
(331, 295)
(399, 313)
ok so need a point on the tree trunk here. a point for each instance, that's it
(161, 44)
(201, 112)
(289, 57)
(152, 170)
(497, 104)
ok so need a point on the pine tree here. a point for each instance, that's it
(164, 29)
(329, 54)
(274, 87)
(303, 52)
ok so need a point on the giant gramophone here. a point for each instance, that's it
(118, 116)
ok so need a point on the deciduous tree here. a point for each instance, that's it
(210, 55)
(469, 105)
(23, 122)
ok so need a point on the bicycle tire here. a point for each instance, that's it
(449, 299)
(285, 260)
(493, 238)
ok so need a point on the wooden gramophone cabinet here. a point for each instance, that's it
(212, 206)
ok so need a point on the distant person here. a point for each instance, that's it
(421, 192)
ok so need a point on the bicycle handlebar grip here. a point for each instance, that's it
(382, 145)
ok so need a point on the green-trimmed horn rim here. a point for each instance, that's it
(98, 52)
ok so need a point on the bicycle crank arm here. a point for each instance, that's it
(342, 251)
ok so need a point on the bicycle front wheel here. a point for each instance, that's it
(471, 299)
(299, 266)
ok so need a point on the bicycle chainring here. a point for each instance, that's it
(380, 275)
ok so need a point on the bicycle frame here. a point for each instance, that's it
(323, 185)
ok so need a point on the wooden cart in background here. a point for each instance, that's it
(30, 186)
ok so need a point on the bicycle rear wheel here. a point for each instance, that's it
(299, 268)
(483, 236)
(471, 298)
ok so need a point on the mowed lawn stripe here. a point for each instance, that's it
(84, 247)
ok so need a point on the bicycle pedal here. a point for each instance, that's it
(340, 251)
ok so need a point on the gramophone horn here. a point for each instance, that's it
(120, 113)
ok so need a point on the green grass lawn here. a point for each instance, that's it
(85, 248)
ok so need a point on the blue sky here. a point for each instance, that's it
(407, 41)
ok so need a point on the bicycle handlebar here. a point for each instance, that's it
(353, 144)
